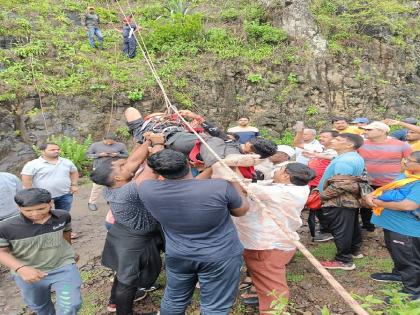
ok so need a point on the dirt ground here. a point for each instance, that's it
(309, 291)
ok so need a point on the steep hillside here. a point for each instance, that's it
(277, 61)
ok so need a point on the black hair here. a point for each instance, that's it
(169, 163)
(234, 135)
(300, 174)
(32, 197)
(102, 173)
(416, 155)
(43, 146)
(355, 139)
(264, 147)
(337, 118)
(244, 117)
(110, 136)
(333, 133)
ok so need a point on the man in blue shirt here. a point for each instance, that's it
(339, 195)
(400, 220)
(201, 240)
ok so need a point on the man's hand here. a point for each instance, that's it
(157, 138)
(30, 274)
(391, 122)
(370, 200)
(74, 189)
(76, 257)
(114, 154)
(299, 126)
(102, 154)
(309, 154)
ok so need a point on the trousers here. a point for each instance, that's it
(405, 253)
(343, 224)
(65, 281)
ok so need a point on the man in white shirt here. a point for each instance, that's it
(267, 248)
(305, 141)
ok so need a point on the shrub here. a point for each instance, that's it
(135, 95)
(255, 78)
(264, 33)
(177, 6)
(229, 15)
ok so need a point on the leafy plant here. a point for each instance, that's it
(229, 15)
(312, 110)
(123, 133)
(255, 78)
(264, 33)
(292, 78)
(135, 95)
(177, 6)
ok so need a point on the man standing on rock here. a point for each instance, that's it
(56, 174)
(244, 131)
(99, 151)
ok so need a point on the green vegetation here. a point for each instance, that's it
(351, 23)
(255, 78)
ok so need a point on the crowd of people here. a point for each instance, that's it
(172, 195)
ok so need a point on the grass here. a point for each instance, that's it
(324, 251)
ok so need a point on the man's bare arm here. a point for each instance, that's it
(243, 209)
(27, 181)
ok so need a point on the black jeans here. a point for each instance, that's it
(123, 296)
(312, 222)
(343, 224)
(366, 215)
(405, 253)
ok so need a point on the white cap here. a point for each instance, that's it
(286, 149)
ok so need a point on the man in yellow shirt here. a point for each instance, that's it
(342, 126)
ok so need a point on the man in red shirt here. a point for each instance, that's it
(383, 156)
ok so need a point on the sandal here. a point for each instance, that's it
(246, 284)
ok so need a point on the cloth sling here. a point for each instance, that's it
(397, 184)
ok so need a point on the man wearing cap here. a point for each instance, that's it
(283, 155)
(401, 134)
(98, 151)
(360, 122)
(342, 126)
(91, 21)
(383, 156)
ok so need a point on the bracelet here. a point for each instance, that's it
(153, 144)
(17, 269)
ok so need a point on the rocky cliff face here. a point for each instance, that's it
(311, 83)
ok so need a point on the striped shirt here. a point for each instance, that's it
(383, 160)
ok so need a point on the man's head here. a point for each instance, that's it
(91, 9)
(265, 148)
(34, 203)
(50, 150)
(243, 121)
(376, 130)
(340, 123)
(325, 137)
(169, 164)
(360, 121)
(295, 173)
(412, 163)
(308, 135)
(109, 138)
(346, 142)
(410, 120)
(412, 135)
(284, 153)
(110, 172)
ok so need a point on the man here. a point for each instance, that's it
(342, 126)
(36, 246)
(9, 186)
(91, 22)
(267, 248)
(383, 156)
(319, 162)
(201, 239)
(56, 174)
(401, 134)
(244, 131)
(359, 122)
(397, 210)
(179, 138)
(305, 141)
(339, 192)
(99, 151)
(412, 132)
(283, 155)
(132, 244)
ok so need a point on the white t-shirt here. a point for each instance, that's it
(258, 231)
(313, 146)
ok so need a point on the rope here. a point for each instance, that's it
(113, 93)
(39, 95)
(333, 282)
